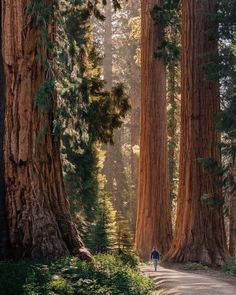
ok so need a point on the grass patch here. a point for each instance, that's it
(108, 275)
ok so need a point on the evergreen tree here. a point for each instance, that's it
(101, 237)
(112, 35)
(124, 236)
(87, 114)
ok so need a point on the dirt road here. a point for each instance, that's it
(174, 281)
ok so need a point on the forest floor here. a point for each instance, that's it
(174, 280)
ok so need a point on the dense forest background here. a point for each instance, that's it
(117, 135)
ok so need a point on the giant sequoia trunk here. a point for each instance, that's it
(37, 211)
(200, 233)
(232, 213)
(153, 218)
(3, 221)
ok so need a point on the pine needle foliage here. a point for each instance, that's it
(102, 234)
(167, 14)
(86, 114)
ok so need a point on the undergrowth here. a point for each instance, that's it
(230, 266)
(108, 275)
(195, 266)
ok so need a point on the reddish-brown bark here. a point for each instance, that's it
(3, 222)
(232, 212)
(153, 218)
(200, 233)
(37, 210)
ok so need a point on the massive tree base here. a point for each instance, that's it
(199, 232)
(198, 254)
(37, 212)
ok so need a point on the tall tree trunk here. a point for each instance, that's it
(107, 67)
(232, 213)
(113, 166)
(3, 220)
(135, 135)
(200, 233)
(173, 125)
(37, 210)
(121, 188)
(153, 218)
(107, 64)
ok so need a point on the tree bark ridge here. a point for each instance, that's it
(153, 217)
(37, 210)
(3, 224)
(200, 233)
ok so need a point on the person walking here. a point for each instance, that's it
(155, 258)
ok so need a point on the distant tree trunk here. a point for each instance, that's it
(173, 126)
(135, 136)
(120, 189)
(3, 214)
(113, 166)
(107, 63)
(107, 67)
(232, 214)
(37, 210)
(200, 233)
(153, 218)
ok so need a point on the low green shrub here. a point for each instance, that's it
(230, 266)
(129, 258)
(195, 266)
(108, 275)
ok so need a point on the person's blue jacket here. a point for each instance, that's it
(155, 255)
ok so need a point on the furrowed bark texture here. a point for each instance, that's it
(200, 233)
(37, 210)
(3, 221)
(153, 218)
(232, 213)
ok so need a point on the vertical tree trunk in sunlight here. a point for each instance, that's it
(37, 210)
(107, 63)
(153, 217)
(200, 233)
(173, 100)
(134, 159)
(107, 68)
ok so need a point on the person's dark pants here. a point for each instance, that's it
(155, 262)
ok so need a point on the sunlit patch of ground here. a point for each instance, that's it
(170, 281)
